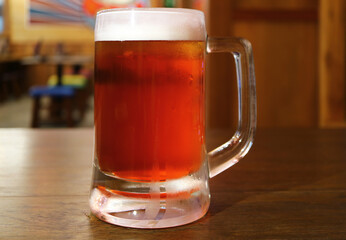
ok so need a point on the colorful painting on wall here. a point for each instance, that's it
(1, 16)
(74, 11)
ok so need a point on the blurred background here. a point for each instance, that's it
(47, 47)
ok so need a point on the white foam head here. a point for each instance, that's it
(150, 24)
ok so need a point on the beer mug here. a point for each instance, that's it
(150, 167)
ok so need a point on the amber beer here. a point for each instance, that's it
(149, 108)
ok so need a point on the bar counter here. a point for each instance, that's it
(291, 185)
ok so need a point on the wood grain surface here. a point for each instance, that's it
(291, 185)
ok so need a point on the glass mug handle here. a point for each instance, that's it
(237, 147)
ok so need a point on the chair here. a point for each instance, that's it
(77, 81)
(61, 101)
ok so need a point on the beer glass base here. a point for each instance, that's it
(149, 204)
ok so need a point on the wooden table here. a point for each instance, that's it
(291, 185)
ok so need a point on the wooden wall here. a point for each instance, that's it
(332, 55)
(286, 37)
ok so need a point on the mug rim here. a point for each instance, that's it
(157, 10)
